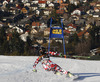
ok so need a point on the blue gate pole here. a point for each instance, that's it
(62, 23)
(50, 22)
(49, 36)
(64, 46)
(49, 45)
(63, 37)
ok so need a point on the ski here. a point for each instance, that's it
(72, 76)
(76, 77)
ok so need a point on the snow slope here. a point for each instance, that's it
(19, 69)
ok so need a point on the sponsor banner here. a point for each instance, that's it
(56, 32)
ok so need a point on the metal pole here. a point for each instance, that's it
(64, 46)
(62, 23)
(49, 45)
(50, 22)
(49, 36)
(63, 37)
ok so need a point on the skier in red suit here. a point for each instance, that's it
(51, 66)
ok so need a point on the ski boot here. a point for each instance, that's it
(56, 72)
(34, 70)
(70, 75)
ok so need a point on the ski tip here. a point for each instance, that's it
(76, 77)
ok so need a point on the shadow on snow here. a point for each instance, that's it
(86, 75)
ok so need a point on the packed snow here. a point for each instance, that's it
(19, 69)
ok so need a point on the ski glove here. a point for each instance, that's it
(61, 55)
(34, 70)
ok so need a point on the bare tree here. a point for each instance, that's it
(83, 48)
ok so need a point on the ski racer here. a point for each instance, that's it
(48, 65)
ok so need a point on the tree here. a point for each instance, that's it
(70, 48)
(95, 36)
(16, 44)
(53, 14)
(75, 38)
(71, 7)
(5, 48)
(83, 48)
(27, 46)
(2, 40)
(56, 46)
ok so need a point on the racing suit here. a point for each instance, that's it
(49, 65)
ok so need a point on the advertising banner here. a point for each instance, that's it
(56, 32)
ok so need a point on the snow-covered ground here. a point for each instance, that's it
(19, 69)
